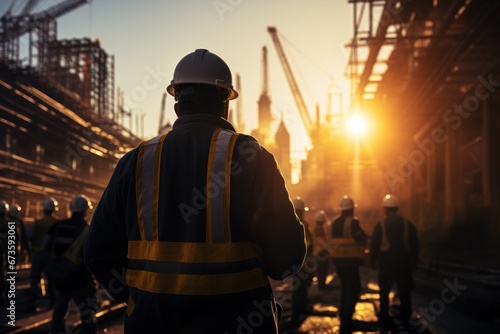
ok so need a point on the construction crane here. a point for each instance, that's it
(161, 127)
(15, 26)
(12, 28)
(299, 100)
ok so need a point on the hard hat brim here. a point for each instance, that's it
(232, 93)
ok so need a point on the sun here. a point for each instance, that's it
(357, 125)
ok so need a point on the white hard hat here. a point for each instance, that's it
(14, 210)
(50, 204)
(346, 203)
(390, 201)
(203, 67)
(320, 216)
(299, 204)
(80, 203)
(4, 207)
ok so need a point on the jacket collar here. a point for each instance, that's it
(204, 119)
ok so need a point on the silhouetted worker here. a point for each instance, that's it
(39, 255)
(67, 236)
(348, 246)
(395, 247)
(23, 247)
(321, 251)
(303, 278)
(4, 250)
(193, 221)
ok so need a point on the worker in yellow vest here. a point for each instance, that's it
(194, 221)
(394, 251)
(347, 251)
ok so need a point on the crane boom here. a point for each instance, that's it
(17, 26)
(299, 100)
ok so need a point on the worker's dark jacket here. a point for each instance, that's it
(60, 237)
(401, 247)
(356, 233)
(158, 233)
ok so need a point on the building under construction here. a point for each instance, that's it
(429, 73)
(60, 133)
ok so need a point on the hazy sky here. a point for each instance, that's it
(149, 37)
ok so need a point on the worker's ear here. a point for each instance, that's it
(176, 109)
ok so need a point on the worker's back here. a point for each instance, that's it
(191, 183)
(193, 222)
(399, 246)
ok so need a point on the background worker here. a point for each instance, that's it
(80, 286)
(395, 249)
(351, 238)
(4, 229)
(197, 218)
(23, 247)
(304, 277)
(321, 251)
(39, 255)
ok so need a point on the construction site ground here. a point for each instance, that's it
(476, 308)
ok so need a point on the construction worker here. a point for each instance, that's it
(321, 250)
(348, 245)
(193, 221)
(40, 256)
(395, 249)
(23, 247)
(62, 236)
(4, 229)
(303, 279)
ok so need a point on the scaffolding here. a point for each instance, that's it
(78, 71)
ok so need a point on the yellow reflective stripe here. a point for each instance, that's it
(147, 186)
(227, 186)
(341, 242)
(185, 284)
(138, 188)
(219, 180)
(346, 248)
(347, 227)
(156, 191)
(192, 252)
(211, 155)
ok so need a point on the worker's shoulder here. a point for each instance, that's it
(128, 161)
(248, 148)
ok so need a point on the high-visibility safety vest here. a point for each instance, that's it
(385, 245)
(346, 247)
(216, 266)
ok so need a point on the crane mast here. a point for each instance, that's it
(299, 100)
(162, 114)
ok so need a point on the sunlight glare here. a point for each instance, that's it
(357, 125)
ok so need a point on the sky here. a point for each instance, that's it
(148, 38)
